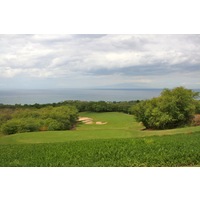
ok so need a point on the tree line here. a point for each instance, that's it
(83, 106)
(173, 108)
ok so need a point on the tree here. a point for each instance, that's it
(197, 104)
(174, 108)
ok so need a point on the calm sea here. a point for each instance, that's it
(53, 96)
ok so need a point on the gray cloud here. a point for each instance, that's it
(90, 59)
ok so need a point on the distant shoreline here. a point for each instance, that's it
(44, 96)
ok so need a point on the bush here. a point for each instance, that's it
(10, 127)
(197, 105)
(174, 108)
(20, 125)
(41, 119)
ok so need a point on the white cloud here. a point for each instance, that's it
(130, 57)
(8, 72)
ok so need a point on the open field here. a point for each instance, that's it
(119, 142)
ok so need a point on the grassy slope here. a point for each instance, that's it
(118, 125)
(86, 146)
(176, 150)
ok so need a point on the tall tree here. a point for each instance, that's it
(172, 109)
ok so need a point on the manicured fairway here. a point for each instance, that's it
(119, 125)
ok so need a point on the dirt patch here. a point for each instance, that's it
(87, 120)
(196, 120)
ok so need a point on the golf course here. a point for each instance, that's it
(103, 139)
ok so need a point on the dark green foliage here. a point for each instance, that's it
(174, 108)
(197, 105)
(41, 119)
(82, 106)
(10, 127)
(176, 150)
(101, 106)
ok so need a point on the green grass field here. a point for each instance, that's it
(176, 150)
(120, 142)
(119, 125)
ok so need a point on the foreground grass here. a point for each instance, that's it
(174, 150)
(119, 125)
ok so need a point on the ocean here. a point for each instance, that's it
(13, 97)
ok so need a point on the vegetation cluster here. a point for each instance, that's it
(83, 106)
(18, 120)
(173, 108)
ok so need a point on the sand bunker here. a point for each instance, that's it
(100, 123)
(87, 120)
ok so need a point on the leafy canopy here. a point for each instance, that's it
(173, 108)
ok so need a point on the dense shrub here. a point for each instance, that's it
(47, 118)
(197, 105)
(172, 109)
(101, 106)
(10, 127)
(5, 115)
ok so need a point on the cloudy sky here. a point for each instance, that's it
(90, 61)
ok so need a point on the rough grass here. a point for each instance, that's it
(176, 150)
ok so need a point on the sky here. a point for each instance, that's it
(99, 61)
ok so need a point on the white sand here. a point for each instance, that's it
(87, 120)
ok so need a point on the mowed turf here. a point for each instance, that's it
(118, 125)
